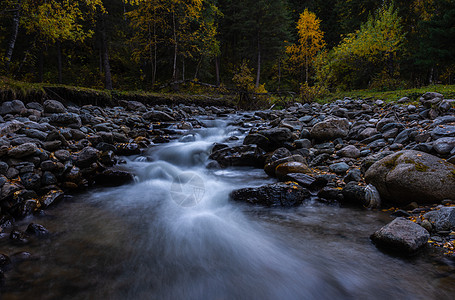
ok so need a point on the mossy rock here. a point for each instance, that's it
(413, 176)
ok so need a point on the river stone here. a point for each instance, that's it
(339, 168)
(51, 197)
(412, 176)
(8, 189)
(86, 157)
(277, 136)
(273, 195)
(270, 167)
(5, 262)
(37, 230)
(114, 178)
(443, 131)
(349, 151)
(442, 219)
(306, 180)
(65, 119)
(258, 139)
(11, 107)
(444, 145)
(330, 129)
(290, 167)
(31, 181)
(53, 106)
(10, 127)
(354, 194)
(248, 155)
(22, 150)
(157, 116)
(401, 236)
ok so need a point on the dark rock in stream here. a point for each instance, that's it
(37, 230)
(401, 236)
(114, 178)
(273, 195)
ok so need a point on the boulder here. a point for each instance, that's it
(53, 106)
(157, 116)
(307, 181)
(249, 155)
(330, 129)
(11, 107)
(37, 230)
(401, 236)
(442, 219)
(22, 150)
(86, 157)
(258, 139)
(412, 176)
(349, 151)
(277, 136)
(273, 195)
(51, 197)
(270, 167)
(112, 177)
(290, 167)
(65, 119)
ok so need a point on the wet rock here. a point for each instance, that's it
(277, 136)
(136, 106)
(401, 236)
(408, 176)
(330, 129)
(331, 194)
(259, 140)
(271, 166)
(11, 107)
(22, 150)
(290, 167)
(443, 131)
(5, 262)
(349, 151)
(128, 149)
(444, 145)
(51, 197)
(18, 237)
(112, 177)
(431, 98)
(8, 189)
(65, 119)
(25, 208)
(273, 195)
(354, 194)
(157, 116)
(249, 155)
(10, 127)
(339, 168)
(31, 181)
(37, 230)
(442, 219)
(353, 175)
(86, 157)
(53, 106)
(306, 180)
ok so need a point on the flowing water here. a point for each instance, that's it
(148, 240)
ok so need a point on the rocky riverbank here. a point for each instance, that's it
(360, 153)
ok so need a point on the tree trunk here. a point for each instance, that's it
(105, 54)
(41, 65)
(59, 62)
(15, 31)
(279, 73)
(174, 68)
(197, 67)
(217, 71)
(306, 69)
(183, 68)
(155, 48)
(258, 75)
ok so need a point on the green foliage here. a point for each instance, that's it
(371, 51)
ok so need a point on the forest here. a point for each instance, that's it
(311, 47)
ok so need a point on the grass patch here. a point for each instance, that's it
(389, 96)
(38, 92)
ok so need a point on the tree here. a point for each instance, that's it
(52, 21)
(371, 50)
(310, 41)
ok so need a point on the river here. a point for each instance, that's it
(148, 240)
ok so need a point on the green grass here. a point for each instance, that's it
(389, 96)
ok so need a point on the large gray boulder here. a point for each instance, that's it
(401, 236)
(11, 107)
(412, 176)
(330, 129)
(54, 106)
